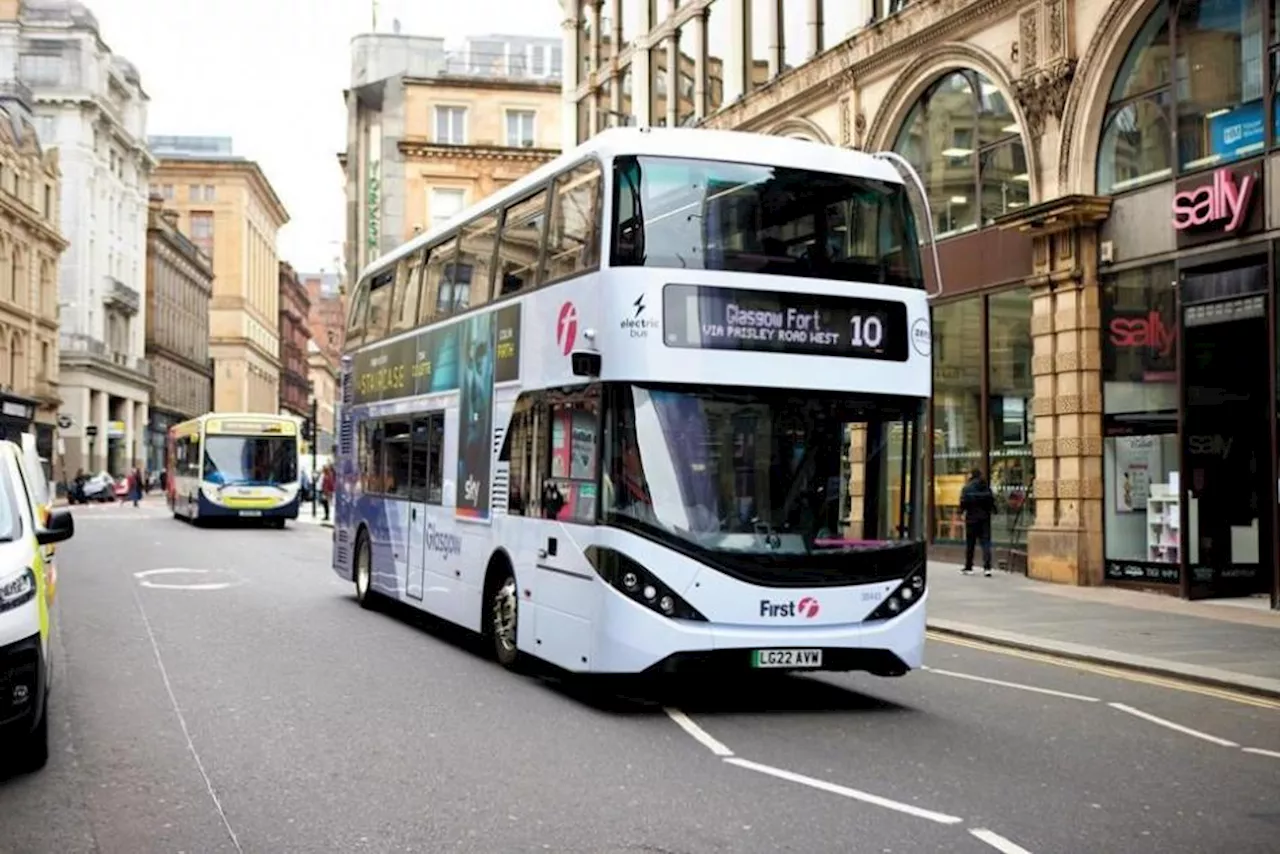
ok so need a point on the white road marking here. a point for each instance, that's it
(699, 734)
(182, 722)
(1258, 751)
(997, 841)
(147, 573)
(845, 791)
(216, 585)
(144, 580)
(1052, 693)
(1138, 713)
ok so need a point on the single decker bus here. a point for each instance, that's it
(234, 466)
(656, 406)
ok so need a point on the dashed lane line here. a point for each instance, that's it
(699, 734)
(1112, 672)
(998, 842)
(1258, 751)
(1066, 695)
(1185, 730)
(717, 747)
(845, 791)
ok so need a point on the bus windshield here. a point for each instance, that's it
(250, 460)
(766, 471)
(735, 217)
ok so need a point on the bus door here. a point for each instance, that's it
(566, 510)
(425, 499)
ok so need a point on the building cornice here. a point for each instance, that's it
(892, 40)
(501, 84)
(155, 350)
(25, 215)
(257, 178)
(425, 148)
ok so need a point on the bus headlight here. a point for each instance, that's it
(639, 585)
(17, 589)
(908, 593)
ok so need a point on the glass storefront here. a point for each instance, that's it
(1140, 404)
(988, 425)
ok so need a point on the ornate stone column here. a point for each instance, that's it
(1065, 540)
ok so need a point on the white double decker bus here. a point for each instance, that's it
(656, 406)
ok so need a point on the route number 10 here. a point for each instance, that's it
(866, 331)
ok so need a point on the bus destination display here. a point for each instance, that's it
(711, 318)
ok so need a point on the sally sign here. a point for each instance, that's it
(1219, 205)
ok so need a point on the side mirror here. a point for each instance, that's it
(59, 527)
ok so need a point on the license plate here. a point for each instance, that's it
(250, 512)
(786, 658)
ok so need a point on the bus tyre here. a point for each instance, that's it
(503, 617)
(363, 572)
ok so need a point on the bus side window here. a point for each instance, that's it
(381, 288)
(408, 280)
(479, 240)
(395, 453)
(524, 462)
(426, 480)
(573, 233)
(520, 244)
(437, 292)
(355, 322)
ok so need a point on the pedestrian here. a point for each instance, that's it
(135, 484)
(978, 504)
(326, 488)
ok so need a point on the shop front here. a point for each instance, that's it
(1189, 346)
(982, 413)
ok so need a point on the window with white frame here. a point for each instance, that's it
(446, 203)
(520, 128)
(451, 125)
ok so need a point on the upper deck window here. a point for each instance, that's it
(743, 218)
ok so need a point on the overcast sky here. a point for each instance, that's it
(270, 74)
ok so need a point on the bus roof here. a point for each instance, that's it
(693, 143)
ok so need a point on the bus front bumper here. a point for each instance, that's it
(633, 639)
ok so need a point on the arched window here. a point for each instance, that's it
(1215, 104)
(963, 139)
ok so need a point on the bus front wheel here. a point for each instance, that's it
(503, 614)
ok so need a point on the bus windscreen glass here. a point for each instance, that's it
(765, 472)
(743, 218)
(250, 460)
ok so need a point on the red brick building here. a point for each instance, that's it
(295, 307)
(328, 317)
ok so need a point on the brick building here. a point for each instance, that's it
(295, 385)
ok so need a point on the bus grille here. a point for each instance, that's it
(342, 552)
(501, 476)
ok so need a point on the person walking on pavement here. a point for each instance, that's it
(978, 503)
(135, 485)
(326, 489)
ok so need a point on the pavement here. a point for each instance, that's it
(1229, 643)
(218, 690)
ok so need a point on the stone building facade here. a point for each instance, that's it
(1085, 245)
(179, 288)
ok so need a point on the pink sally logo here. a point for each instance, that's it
(1222, 204)
(567, 327)
(808, 607)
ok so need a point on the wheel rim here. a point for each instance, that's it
(362, 572)
(504, 616)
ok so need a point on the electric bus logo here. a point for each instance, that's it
(567, 328)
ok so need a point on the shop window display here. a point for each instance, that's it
(957, 409)
(1010, 419)
(1140, 452)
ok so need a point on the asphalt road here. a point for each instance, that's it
(264, 711)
